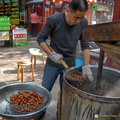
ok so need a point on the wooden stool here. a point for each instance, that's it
(33, 57)
(21, 66)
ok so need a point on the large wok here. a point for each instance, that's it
(5, 110)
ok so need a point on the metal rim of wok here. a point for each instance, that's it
(28, 114)
(90, 95)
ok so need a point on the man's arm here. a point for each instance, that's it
(45, 48)
(86, 68)
(51, 54)
(43, 35)
(86, 56)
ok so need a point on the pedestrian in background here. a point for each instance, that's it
(34, 23)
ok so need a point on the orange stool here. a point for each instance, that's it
(21, 66)
(34, 56)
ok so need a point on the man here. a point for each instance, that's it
(34, 22)
(64, 29)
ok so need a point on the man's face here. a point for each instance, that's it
(74, 18)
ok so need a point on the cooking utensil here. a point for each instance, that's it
(74, 73)
(61, 60)
(77, 72)
(5, 109)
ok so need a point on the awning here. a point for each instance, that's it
(34, 2)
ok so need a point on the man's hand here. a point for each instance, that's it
(55, 57)
(86, 71)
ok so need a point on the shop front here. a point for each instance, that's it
(12, 16)
(102, 11)
(60, 5)
(44, 8)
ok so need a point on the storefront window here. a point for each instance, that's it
(102, 11)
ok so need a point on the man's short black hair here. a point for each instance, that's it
(78, 5)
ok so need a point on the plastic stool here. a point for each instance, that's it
(33, 57)
(21, 66)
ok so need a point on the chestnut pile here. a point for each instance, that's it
(76, 77)
(79, 78)
(28, 101)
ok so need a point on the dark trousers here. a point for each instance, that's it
(34, 29)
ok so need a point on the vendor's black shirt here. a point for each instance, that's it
(63, 37)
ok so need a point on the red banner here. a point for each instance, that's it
(19, 35)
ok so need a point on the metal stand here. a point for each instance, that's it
(100, 68)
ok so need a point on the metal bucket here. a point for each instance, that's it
(80, 105)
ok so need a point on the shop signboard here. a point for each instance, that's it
(47, 11)
(100, 7)
(19, 37)
(66, 5)
(47, 2)
(4, 35)
(57, 5)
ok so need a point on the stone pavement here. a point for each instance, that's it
(8, 71)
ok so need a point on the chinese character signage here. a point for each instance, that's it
(19, 37)
(4, 35)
